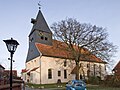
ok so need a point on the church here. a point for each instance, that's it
(46, 64)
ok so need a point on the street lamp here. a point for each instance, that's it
(11, 46)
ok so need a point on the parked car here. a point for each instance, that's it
(76, 85)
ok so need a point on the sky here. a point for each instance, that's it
(15, 17)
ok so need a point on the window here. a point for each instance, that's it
(46, 38)
(49, 73)
(59, 73)
(31, 77)
(81, 65)
(88, 65)
(94, 68)
(65, 74)
(100, 70)
(65, 63)
(25, 77)
(42, 37)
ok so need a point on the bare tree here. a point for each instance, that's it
(83, 40)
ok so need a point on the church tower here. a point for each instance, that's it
(40, 33)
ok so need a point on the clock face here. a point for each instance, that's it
(40, 33)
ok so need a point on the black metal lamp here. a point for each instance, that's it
(11, 46)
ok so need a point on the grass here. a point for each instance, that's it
(46, 85)
(89, 87)
(101, 88)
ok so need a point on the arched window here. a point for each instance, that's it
(94, 68)
(100, 70)
(59, 73)
(49, 73)
(65, 74)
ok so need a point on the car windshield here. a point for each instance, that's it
(78, 84)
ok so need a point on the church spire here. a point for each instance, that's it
(40, 24)
(40, 33)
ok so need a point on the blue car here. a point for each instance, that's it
(76, 85)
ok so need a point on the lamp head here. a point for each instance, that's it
(11, 45)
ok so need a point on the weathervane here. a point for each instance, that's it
(39, 5)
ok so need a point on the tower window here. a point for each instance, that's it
(42, 37)
(46, 38)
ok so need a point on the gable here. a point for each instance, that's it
(1, 67)
(117, 67)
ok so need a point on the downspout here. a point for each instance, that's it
(40, 66)
(39, 61)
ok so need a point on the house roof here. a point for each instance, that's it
(117, 66)
(1, 66)
(56, 51)
(52, 51)
(34, 69)
(24, 70)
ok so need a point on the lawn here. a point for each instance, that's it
(101, 88)
(89, 87)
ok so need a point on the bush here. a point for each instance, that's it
(94, 80)
(112, 81)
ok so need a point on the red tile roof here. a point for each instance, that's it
(52, 51)
(1, 66)
(56, 51)
(117, 67)
(117, 70)
(24, 70)
(34, 69)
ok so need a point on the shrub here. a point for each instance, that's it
(94, 80)
(112, 81)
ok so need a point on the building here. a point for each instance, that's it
(116, 70)
(46, 63)
(14, 73)
(1, 74)
(5, 74)
(1, 68)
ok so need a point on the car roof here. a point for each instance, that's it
(76, 80)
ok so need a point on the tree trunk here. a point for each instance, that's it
(77, 71)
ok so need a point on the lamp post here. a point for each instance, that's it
(11, 46)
